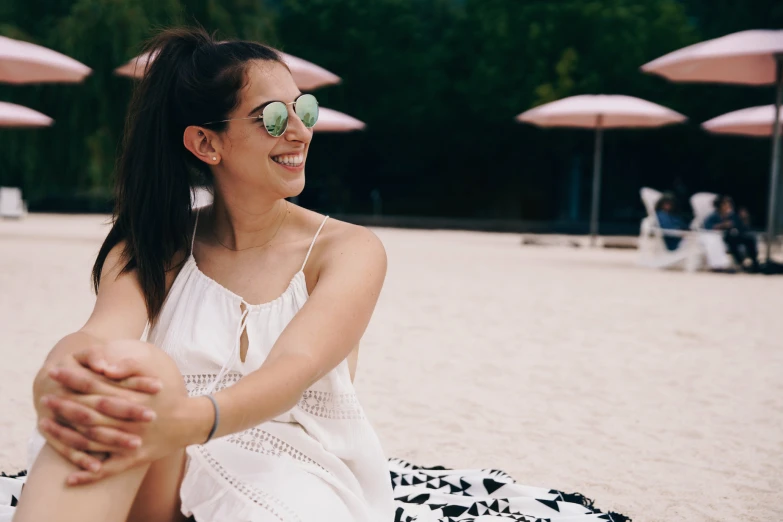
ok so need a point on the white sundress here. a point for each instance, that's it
(320, 461)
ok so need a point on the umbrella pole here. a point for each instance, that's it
(775, 168)
(599, 134)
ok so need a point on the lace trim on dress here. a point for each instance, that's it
(342, 406)
(260, 441)
(331, 405)
(199, 384)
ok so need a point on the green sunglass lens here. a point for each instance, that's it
(275, 118)
(307, 110)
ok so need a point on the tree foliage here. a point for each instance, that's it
(438, 82)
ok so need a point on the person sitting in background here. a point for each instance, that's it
(664, 211)
(736, 233)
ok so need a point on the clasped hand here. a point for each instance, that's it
(104, 411)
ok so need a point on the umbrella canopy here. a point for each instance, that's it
(23, 62)
(333, 121)
(746, 58)
(307, 75)
(613, 111)
(12, 115)
(753, 121)
(600, 112)
(749, 58)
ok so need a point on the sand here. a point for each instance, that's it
(659, 394)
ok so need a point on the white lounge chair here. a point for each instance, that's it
(703, 204)
(652, 248)
(11, 203)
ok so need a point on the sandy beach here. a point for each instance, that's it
(658, 394)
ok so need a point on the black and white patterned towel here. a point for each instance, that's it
(441, 495)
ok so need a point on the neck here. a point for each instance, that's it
(239, 227)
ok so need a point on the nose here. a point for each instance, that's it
(296, 130)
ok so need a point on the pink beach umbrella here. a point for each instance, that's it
(748, 58)
(600, 112)
(333, 121)
(23, 62)
(12, 115)
(307, 75)
(753, 121)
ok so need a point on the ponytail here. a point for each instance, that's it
(190, 79)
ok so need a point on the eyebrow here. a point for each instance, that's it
(260, 107)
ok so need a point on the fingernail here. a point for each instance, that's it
(94, 467)
(148, 415)
(72, 481)
(110, 368)
(134, 443)
(53, 373)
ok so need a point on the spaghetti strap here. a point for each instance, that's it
(195, 227)
(313, 243)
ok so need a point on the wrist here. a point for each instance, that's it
(200, 417)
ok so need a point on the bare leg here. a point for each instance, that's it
(157, 499)
(147, 493)
(46, 496)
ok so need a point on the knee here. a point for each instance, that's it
(147, 360)
(160, 364)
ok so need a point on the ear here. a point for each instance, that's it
(203, 144)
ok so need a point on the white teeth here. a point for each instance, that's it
(290, 160)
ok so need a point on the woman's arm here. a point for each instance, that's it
(320, 336)
(78, 368)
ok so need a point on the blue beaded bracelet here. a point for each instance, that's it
(217, 418)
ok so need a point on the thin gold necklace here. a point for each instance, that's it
(254, 246)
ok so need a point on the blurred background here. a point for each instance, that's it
(438, 83)
(657, 392)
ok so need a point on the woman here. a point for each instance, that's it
(258, 306)
(257, 303)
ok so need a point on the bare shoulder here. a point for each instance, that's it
(353, 244)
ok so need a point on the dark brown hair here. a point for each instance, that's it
(192, 79)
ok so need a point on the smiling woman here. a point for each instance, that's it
(237, 403)
(214, 378)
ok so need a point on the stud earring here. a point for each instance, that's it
(214, 158)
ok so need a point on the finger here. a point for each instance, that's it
(91, 358)
(114, 465)
(119, 408)
(124, 368)
(73, 439)
(112, 437)
(77, 414)
(78, 379)
(74, 456)
(141, 384)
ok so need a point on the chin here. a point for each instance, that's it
(294, 187)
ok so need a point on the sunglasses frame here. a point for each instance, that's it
(260, 117)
